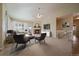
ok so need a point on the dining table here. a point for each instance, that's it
(28, 37)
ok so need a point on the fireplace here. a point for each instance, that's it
(37, 28)
(37, 31)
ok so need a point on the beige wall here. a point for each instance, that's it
(0, 25)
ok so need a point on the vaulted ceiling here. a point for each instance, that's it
(28, 11)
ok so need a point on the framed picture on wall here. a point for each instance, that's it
(46, 26)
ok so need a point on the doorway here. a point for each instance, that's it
(75, 25)
(59, 28)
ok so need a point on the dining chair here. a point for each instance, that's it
(19, 39)
(42, 37)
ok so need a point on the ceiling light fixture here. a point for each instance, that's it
(38, 15)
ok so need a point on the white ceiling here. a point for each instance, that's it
(28, 11)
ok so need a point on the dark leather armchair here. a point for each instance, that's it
(42, 37)
(19, 39)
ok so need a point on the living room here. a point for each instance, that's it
(35, 19)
